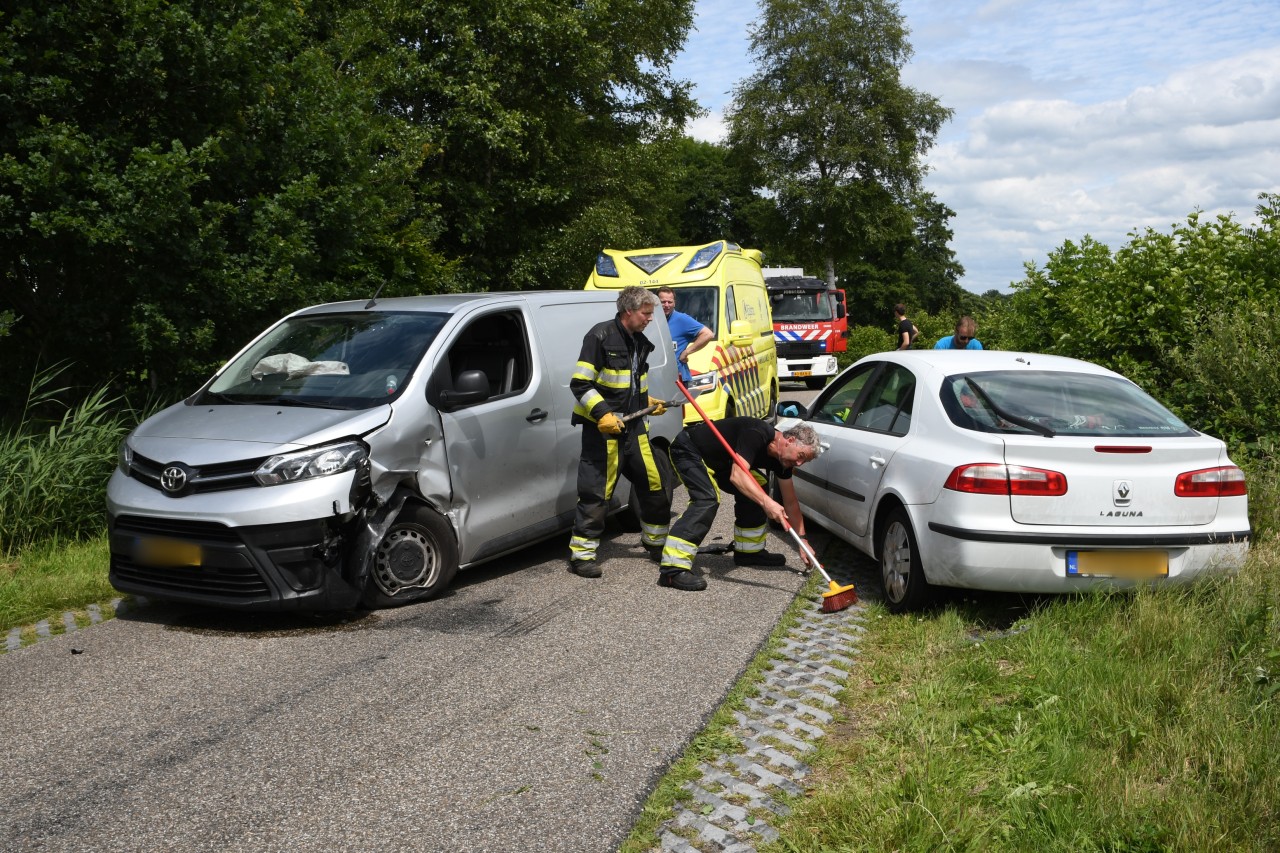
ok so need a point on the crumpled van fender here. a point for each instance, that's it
(388, 500)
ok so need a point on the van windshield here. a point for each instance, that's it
(700, 303)
(338, 361)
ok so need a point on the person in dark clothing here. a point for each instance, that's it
(611, 380)
(707, 469)
(907, 330)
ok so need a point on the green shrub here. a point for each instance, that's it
(864, 340)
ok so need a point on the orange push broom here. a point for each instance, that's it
(837, 597)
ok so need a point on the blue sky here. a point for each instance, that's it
(1089, 117)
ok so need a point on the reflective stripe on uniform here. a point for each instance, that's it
(678, 553)
(614, 378)
(749, 540)
(611, 460)
(652, 535)
(581, 548)
(651, 471)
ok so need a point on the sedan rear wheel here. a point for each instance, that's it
(905, 587)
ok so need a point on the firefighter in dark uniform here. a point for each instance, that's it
(707, 469)
(611, 380)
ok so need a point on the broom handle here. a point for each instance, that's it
(742, 463)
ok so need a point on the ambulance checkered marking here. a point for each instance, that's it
(740, 371)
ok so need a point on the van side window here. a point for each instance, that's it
(496, 344)
(730, 307)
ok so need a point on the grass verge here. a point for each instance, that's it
(45, 581)
(1125, 722)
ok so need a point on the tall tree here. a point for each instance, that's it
(551, 123)
(175, 174)
(833, 132)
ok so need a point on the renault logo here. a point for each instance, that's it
(174, 479)
(1121, 492)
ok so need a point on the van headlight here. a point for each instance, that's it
(308, 464)
(124, 456)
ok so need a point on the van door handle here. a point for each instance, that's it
(536, 415)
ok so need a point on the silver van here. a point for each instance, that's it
(360, 453)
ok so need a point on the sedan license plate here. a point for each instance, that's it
(1135, 565)
(151, 551)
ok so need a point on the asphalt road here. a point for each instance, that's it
(527, 709)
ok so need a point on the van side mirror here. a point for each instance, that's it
(741, 333)
(471, 386)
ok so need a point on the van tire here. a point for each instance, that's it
(416, 560)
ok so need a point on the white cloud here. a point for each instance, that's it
(1096, 117)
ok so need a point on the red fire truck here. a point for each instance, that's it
(809, 326)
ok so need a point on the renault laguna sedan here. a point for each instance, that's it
(1016, 472)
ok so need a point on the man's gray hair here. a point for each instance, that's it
(803, 435)
(633, 298)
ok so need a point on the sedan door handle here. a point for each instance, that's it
(536, 415)
(877, 460)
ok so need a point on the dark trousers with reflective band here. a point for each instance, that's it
(603, 459)
(704, 487)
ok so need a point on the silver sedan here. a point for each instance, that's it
(1016, 472)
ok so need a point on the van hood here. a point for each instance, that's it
(211, 434)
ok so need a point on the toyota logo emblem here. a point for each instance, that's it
(173, 479)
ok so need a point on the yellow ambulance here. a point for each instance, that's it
(720, 285)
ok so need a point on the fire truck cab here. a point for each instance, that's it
(810, 325)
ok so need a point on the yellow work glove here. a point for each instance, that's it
(610, 424)
(659, 406)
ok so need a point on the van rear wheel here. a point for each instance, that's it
(416, 560)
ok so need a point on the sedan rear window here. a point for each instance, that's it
(1056, 403)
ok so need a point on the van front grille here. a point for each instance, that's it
(203, 478)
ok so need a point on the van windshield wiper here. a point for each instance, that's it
(1004, 415)
(295, 401)
(221, 398)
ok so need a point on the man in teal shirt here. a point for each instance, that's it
(963, 338)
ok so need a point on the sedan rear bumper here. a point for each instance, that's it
(1037, 562)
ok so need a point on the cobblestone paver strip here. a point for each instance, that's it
(735, 801)
(67, 623)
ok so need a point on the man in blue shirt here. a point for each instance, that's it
(963, 338)
(687, 334)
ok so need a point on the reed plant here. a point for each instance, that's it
(55, 460)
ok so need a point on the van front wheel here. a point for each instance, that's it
(416, 560)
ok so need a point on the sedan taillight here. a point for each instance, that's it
(991, 478)
(1224, 482)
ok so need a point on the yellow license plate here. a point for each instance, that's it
(166, 552)
(802, 373)
(1118, 564)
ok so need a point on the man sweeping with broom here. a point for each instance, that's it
(707, 468)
